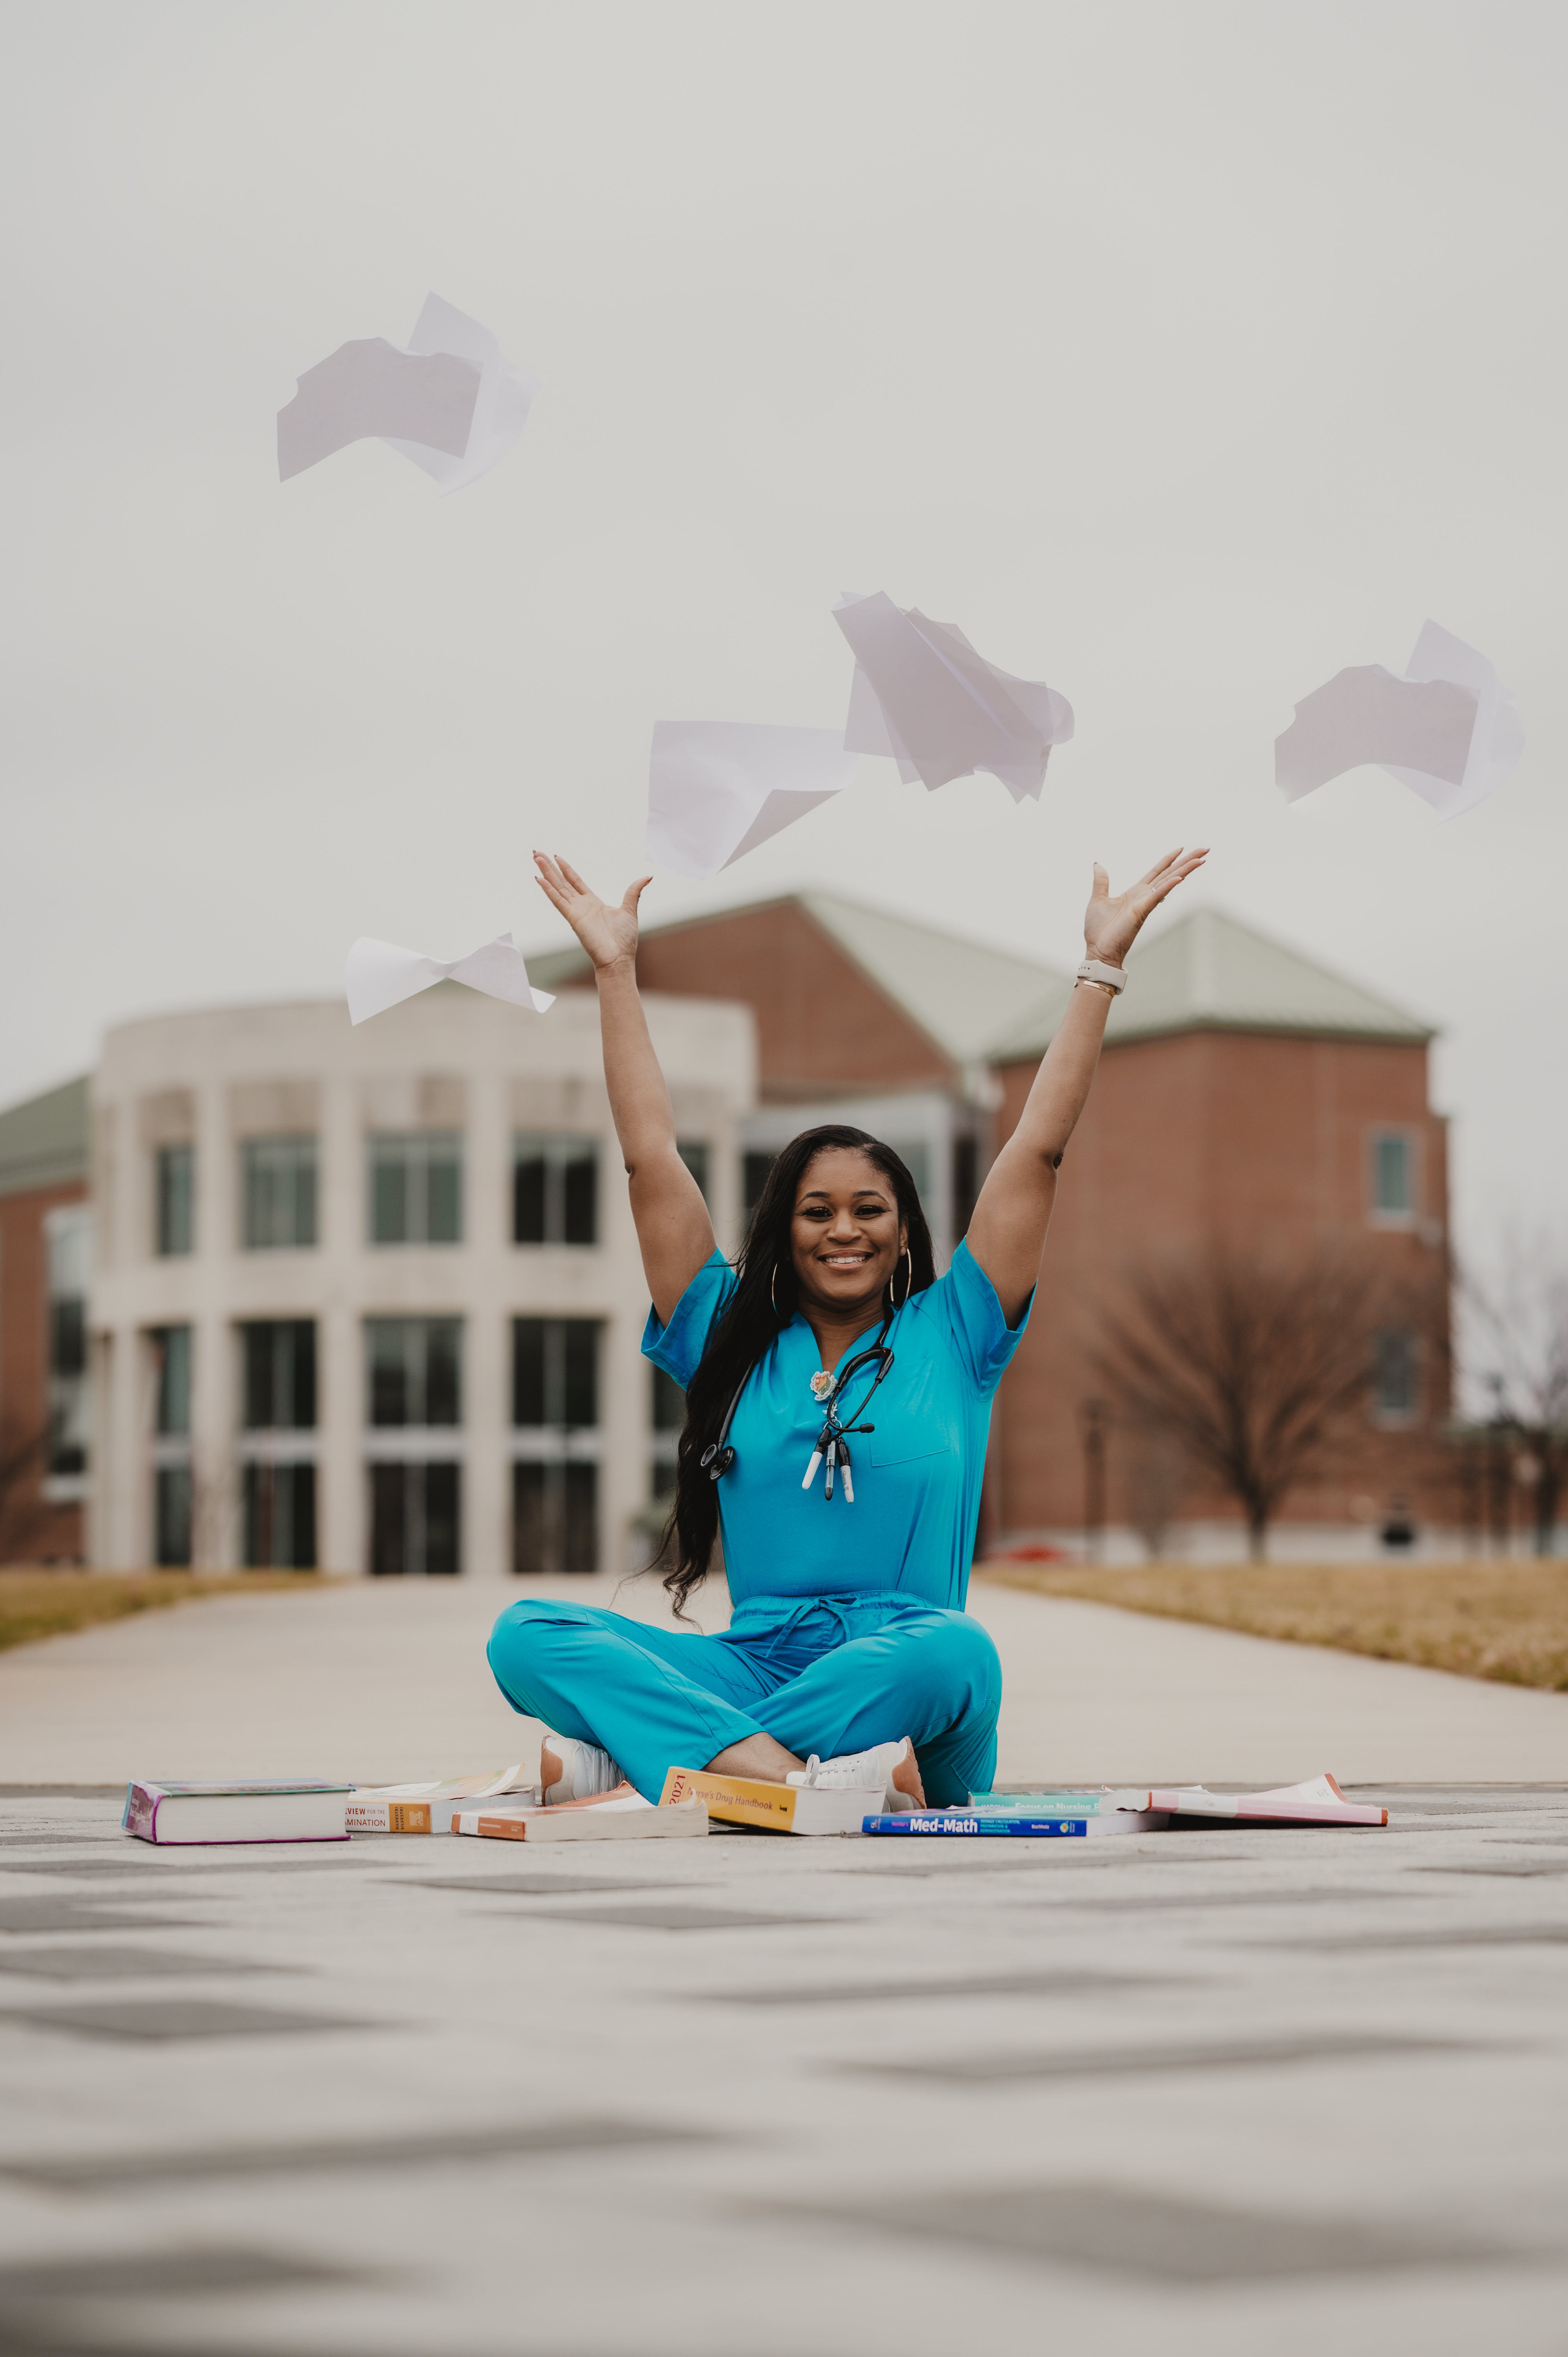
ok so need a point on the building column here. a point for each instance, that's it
(342, 1536)
(120, 1526)
(486, 1336)
(214, 1413)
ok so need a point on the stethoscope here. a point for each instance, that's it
(832, 1444)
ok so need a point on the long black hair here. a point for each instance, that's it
(762, 1304)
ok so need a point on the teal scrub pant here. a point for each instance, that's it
(829, 1674)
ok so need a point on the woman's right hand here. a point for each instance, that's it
(609, 935)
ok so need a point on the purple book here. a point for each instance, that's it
(236, 1811)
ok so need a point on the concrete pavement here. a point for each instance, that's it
(1205, 2094)
(385, 1680)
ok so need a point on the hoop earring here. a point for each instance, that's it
(773, 1293)
(909, 1280)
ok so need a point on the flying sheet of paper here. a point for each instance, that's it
(450, 401)
(380, 976)
(506, 395)
(371, 388)
(1448, 730)
(922, 696)
(718, 788)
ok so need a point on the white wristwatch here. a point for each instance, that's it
(1110, 977)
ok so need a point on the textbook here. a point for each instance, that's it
(620, 1815)
(772, 1808)
(258, 1812)
(1047, 1800)
(1019, 1822)
(1319, 1802)
(424, 1808)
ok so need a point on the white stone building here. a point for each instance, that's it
(371, 1299)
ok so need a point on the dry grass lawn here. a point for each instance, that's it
(1505, 1621)
(52, 1603)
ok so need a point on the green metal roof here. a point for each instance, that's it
(959, 992)
(45, 1142)
(1208, 973)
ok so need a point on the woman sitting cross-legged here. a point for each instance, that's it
(838, 1399)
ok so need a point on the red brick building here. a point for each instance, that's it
(1246, 1095)
(44, 1246)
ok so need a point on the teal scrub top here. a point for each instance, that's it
(916, 1477)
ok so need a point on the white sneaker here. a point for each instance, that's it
(890, 1768)
(570, 1771)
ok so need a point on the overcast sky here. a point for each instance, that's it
(1182, 355)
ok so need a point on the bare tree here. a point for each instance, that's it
(1518, 1323)
(1254, 1364)
(22, 1450)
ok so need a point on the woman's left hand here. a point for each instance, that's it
(1111, 926)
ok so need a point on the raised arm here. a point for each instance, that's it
(673, 1223)
(1007, 1233)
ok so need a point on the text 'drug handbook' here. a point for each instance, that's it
(771, 1808)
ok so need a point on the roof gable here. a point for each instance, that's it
(44, 1142)
(957, 993)
(1210, 972)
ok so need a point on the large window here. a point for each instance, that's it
(555, 1372)
(415, 1520)
(555, 1516)
(755, 1165)
(555, 1190)
(668, 1414)
(171, 1375)
(1392, 1177)
(415, 1371)
(170, 1355)
(171, 1516)
(278, 1516)
(694, 1153)
(67, 1233)
(278, 1181)
(416, 1188)
(174, 1205)
(414, 1377)
(1396, 1376)
(278, 1356)
(555, 1418)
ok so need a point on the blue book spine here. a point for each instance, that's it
(965, 1821)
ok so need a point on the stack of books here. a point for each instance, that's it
(1039, 1814)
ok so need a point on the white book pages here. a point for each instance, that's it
(449, 400)
(1498, 738)
(506, 395)
(1366, 715)
(923, 696)
(718, 788)
(380, 975)
(1448, 730)
(372, 389)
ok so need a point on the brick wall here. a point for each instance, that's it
(822, 1026)
(31, 1529)
(1204, 1135)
